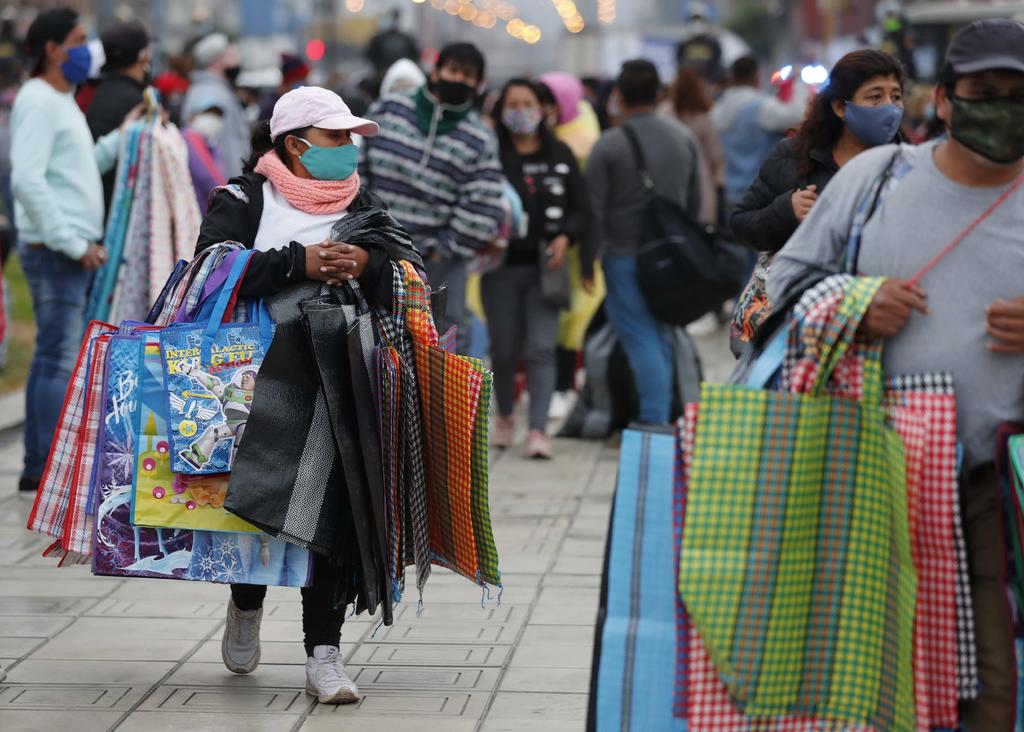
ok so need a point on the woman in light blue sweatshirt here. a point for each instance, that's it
(55, 178)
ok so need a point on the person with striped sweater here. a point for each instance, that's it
(436, 165)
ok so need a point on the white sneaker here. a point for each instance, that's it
(704, 326)
(326, 678)
(240, 646)
(562, 403)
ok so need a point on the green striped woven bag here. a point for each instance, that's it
(795, 563)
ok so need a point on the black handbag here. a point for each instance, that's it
(555, 286)
(683, 269)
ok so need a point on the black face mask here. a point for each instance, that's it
(453, 93)
(231, 73)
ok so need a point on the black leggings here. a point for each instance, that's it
(321, 622)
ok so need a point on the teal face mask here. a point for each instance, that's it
(330, 163)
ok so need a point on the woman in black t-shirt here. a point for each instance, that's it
(523, 297)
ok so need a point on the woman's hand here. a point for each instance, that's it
(335, 262)
(94, 258)
(556, 251)
(803, 201)
(892, 307)
(134, 115)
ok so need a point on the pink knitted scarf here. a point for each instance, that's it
(308, 195)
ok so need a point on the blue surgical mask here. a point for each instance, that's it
(76, 68)
(330, 163)
(874, 125)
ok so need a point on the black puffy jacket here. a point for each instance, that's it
(764, 218)
(234, 215)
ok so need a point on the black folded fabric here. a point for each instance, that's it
(372, 227)
(309, 468)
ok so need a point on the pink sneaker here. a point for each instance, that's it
(538, 446)
(504, 432)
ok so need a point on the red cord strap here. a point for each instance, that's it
(966, 232)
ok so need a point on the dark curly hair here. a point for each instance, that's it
(822, 127)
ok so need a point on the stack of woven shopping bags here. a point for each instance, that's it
(792, 559)
(212, 443)
(153, 222)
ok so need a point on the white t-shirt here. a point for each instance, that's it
(282, 223)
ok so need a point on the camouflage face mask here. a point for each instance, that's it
(993, 128)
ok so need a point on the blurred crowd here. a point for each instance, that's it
(525, 197)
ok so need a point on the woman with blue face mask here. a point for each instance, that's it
(55, 179)
(859, 107)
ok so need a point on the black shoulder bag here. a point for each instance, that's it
(684, 271)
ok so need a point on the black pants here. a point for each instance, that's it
(566, 377)
(321, 621)
(993, 710)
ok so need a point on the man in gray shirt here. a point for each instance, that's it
(617, 197)
(966, 316)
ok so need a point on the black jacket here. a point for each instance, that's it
(234, 215)
(764, 219)
(551, 187)
(115, 97)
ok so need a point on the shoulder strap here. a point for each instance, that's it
(255, 182)
(948, 249)
(638, 155)
(867, 208)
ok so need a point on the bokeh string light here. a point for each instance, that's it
(606, 11)
(570, 15)
(487, 14)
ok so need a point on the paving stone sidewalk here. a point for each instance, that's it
(86, 653)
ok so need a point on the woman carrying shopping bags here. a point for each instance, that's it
(299, 181)
(522, 298)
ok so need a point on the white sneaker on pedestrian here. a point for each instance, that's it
(240, 646)
(562, 403)
(705, 325)
(326, 678)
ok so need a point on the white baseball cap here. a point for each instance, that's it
(208, 48)
(314, 106)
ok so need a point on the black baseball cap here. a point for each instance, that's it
(986, 45)
(123, 42)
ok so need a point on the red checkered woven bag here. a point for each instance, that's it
(79, 523)
(450, 395)
(933, 535)
(50, 508)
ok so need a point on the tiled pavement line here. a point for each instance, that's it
(81, 613)
(174, 669)
(13, 500)
(595, 466)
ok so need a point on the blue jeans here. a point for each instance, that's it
(58, 286)
(646, 342)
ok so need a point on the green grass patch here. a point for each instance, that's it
(21, 325)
